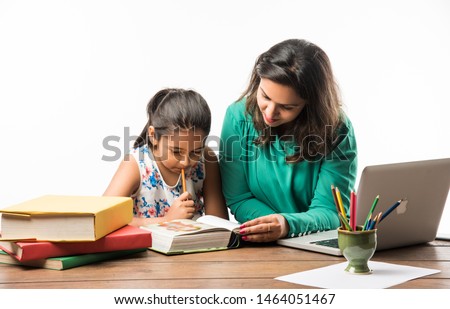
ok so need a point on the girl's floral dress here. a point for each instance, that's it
(154, 197)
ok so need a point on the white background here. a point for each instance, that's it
(73, 73)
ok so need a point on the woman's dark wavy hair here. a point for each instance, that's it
(172, 109)
(306, 68)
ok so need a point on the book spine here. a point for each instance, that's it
(124, 239)
(113, 218)
(85, 259)
(61, 263)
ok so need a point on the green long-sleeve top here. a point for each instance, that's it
(257, 180)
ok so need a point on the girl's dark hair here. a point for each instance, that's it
(171, 109)
(306, 68)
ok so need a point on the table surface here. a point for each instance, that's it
(251, 267)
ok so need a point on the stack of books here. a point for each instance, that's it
(61, 232)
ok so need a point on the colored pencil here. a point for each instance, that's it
(353, 210)
(390, 209)
(336, 203)
(341, 204)
(373, 222)
(366, 228)
(344, 220)
(183, 180)
(369, 215)
(378, 218)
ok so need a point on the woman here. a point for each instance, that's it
(285, 142)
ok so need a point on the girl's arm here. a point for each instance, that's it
(126, 181)
(212, 187)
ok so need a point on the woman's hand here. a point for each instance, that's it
(265, 229)
(182, 208)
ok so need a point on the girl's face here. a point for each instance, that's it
(180, 150)
(279, 104)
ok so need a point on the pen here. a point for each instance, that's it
(183, 180)
(365, 227)
(390, 209)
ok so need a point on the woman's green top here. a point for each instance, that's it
(257, 180)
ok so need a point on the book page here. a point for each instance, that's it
(181, 227)
(217, 221)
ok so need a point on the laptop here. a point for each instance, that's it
(423, 185)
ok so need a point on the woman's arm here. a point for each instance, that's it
(260, 222)
(338, 169)
(233, 149)
(212, 187)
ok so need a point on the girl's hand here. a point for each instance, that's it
(182, 208)
(265, 229)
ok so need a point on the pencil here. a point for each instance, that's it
(341, 204)
(353, 210)
(183, 180)
(390, 209)
(369, 215)
(344, 220)
(372, 223)
(333, 192)
(378, 218)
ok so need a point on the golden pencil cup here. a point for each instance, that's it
(358, 248)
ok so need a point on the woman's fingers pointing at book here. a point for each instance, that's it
(263, 229)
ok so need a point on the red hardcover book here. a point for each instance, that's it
(125, 238)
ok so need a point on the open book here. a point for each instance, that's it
(207, 233)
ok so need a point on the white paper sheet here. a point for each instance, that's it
(384, 275)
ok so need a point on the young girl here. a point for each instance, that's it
(171, 143)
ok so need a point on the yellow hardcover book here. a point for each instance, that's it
(65, 218)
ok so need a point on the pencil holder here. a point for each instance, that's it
(357, 247)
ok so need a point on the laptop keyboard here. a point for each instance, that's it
(333, 243)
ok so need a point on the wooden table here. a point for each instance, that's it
(250, 267)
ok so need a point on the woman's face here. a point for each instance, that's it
(279, 104)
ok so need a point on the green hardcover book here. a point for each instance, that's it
(66, 262)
